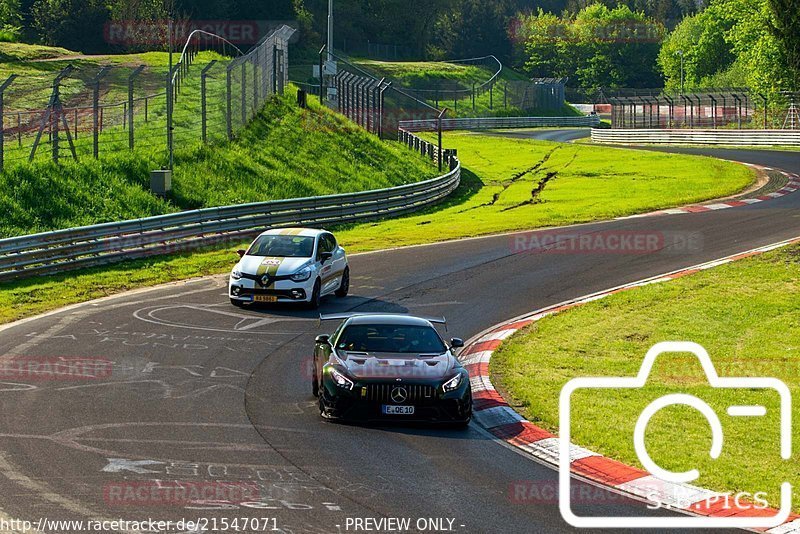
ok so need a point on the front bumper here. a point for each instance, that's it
(360, 404)
(246, 290)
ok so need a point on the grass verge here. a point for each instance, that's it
(590, 183)
(515, 184)
(745, 315)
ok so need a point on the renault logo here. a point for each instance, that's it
(265, 280)
(399, 395)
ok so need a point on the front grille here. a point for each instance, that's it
(416, 393)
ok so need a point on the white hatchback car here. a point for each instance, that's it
(290, 265)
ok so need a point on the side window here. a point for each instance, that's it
(332, 241)
(326, 243)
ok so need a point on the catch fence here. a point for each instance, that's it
(81, 108)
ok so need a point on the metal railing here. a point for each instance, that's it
(101, 244)
(698, 137)
(485, 123)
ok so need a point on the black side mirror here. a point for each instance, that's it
(323, 339)
(241, 253)
(325, 256)
(456, 343)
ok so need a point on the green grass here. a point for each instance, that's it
(586, 183)
(745, 314)
(447, 77)
(10, 52)
(286, 152)
(592, 183)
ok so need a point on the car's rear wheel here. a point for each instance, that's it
(313, 304)
(344, 287)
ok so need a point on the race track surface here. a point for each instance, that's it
(201, 392)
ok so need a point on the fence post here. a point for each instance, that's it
(381, 108)
(131, 79)
(203, 117)
(321, 76)
(3, 88)
(228, 110)
(244, 93)
(255, 80)
(439, 132)
(473, 96)
(170, 104)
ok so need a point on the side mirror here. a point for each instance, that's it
(241, 253)
(325, 256)
(323, 339)
(456, 343)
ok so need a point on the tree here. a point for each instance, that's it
(598, 47)
(74, 24)
(785, 28)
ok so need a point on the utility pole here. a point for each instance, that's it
(330, 31)
(170, 90)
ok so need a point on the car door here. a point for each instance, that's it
(339, 261)
(327, 271)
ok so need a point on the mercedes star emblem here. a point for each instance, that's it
(399, 395)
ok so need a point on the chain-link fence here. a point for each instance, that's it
(732, 107)
(86, 110)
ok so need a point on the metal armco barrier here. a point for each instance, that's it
(698, 137)
(486, 123)
(62, 250)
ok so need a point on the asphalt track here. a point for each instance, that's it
(201, 392)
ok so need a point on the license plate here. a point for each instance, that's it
(265, 298)
(389, 409)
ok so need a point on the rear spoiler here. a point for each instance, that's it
(343, 316)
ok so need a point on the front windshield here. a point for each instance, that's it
(391, 338)
(282, 246)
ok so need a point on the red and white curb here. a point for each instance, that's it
(493, 413)
(792, 186)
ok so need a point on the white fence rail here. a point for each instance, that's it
(698, 137)
(488, 123)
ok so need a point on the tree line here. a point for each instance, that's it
(605, 43)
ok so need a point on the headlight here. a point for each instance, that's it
(236, 275)
(302, 275)
(341, 380)
(452, 384)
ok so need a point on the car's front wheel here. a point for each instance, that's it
(315, 382)
(313, 304)
(238, 303)
(344, 287)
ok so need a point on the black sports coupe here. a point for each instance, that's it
(390, 367)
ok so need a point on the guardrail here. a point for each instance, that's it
(486, 123)
(698, 137)
(102, 244)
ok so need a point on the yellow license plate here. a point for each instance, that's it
(265, 298)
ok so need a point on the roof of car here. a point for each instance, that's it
(389, 318)
(306, 232)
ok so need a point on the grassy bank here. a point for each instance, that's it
(590, 183)
(515, 184)
(285, 152)
(744, 314)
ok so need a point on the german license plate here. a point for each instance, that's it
(265, 298)
(389, 409)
